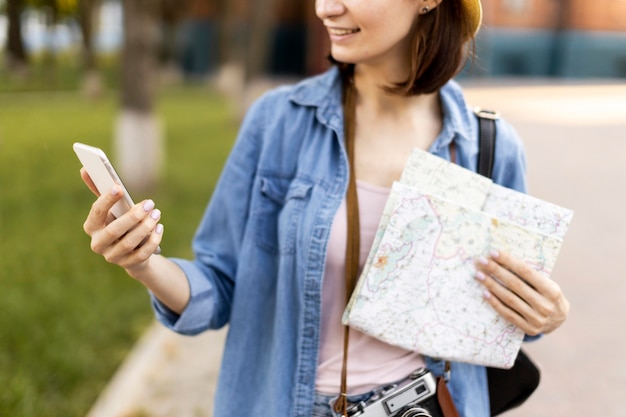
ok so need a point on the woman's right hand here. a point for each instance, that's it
(128, 241)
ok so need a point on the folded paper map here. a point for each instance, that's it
(417, 289)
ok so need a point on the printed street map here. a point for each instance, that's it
(417, 289)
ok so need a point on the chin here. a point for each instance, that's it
(343, 57)
(341, 60)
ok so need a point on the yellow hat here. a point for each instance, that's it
(475, 13)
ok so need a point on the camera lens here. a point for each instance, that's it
(414, 412)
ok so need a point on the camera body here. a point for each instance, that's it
(417, 397)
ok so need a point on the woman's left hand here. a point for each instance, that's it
(523, 296)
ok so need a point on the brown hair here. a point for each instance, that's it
(440, 49)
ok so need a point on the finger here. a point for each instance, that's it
(522, 305)
(499, 277)
(145, 250)
(99, 215)
(138, 256)
(528, 322)
(106, 236)
(127, 232)
(534, 276)
(513, 298)
(87, 180)
(138, 237)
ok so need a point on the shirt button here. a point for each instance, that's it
(309, 331)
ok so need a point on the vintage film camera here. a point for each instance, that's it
(415, 397)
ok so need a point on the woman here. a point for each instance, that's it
(270, 248)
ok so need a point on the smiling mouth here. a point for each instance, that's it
(342, 32)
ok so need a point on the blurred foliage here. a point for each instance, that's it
(58, 8)
(67, 6)
(69, 318)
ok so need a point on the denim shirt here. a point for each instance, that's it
(260, 248)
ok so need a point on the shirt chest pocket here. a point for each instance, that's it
(279, 213)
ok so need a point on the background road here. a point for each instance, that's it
(575, 138)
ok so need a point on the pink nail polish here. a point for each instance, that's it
(156, 214)
(148, 205)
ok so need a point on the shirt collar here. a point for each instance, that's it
(456, 116)
(324, 92)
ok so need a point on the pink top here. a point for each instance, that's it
(371, 363)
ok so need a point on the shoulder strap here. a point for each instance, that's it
(486, 140)
(353, 237)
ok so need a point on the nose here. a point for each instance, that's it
(328, 8)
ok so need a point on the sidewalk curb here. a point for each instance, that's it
(128, 385)
(165, 375)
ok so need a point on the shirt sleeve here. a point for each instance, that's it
(218, 240)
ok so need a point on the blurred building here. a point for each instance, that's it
(212, 32)
(563, 38)
(520, 38)
(534, 38)
(196, 37)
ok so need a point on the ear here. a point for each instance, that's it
(429, 5)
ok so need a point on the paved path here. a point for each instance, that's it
(576, 141)
(575, 138)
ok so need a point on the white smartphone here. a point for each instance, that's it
(103, 175)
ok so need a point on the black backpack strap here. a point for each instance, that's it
(486, 140)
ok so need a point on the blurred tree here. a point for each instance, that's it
(258, 50)
(57, 9)
(16, 58)
(171, 14)
(138, 141)
(87, 12)
(233, 13)
(54, 11)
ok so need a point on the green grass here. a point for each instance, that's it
(67, 317)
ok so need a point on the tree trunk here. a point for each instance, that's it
(138, 131)
(88, 12)
(141, 34)
(87, 15)
(171, 14)
(261, 25)
(16, 52)
(49, 56)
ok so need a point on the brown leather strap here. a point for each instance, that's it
(353, 252)
(444, 398)
(452, 152)
(352, 204)
(353, 233)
